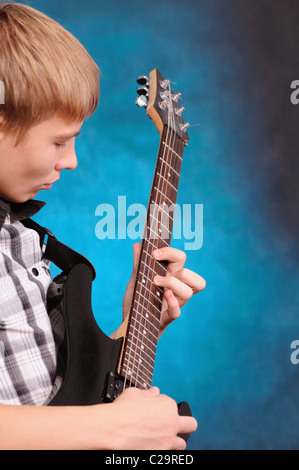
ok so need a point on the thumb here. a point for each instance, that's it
(136, 254)
(131, 283)
(154, 391)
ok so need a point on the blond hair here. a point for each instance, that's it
(45, 70)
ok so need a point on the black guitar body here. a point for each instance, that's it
(89, 355)
(89, 369)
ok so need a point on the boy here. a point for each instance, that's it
(51, 86)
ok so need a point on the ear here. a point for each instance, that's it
(3, 128)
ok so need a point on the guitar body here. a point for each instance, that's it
(89, 355)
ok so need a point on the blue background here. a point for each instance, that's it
(229, 353)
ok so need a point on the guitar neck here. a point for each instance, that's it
(138, 358)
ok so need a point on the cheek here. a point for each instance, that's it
(41, 164)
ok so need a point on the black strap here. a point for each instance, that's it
(61, 255)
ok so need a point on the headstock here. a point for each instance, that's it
(162, 104)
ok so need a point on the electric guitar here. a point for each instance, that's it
(96, 368)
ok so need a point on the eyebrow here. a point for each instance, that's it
(67, 136)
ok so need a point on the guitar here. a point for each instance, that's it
(97, 368)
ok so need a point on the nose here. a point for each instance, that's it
(67, 161)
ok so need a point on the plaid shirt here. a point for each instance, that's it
(27, 343)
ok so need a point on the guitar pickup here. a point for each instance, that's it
(115, 385)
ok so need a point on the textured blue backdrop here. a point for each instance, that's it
(229, 354)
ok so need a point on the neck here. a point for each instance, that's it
(139, 352)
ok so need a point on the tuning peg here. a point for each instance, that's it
(179, 111)
(184, 127)
(141, 101)
(165, 84)
(176, 97)
(143, 90)
(143, 80)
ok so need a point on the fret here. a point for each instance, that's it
(143, 306)
(176, 154)
(159, 289)
(157, 211)
(142, 352)
(140, 373)
(153, 294)
(151, 257)
(140, 368)
(157, 237)
(147, 337)
(156, 298)
(140, 360)
(159, 190)
(168, 182)
(133, 356)
(149, 344)
(137, 376)
(151, 269)
(144, 349)
(137, 363)
(161, 208)
(145, 276)
(147, 317)
(145, 332)
(132, 363)
(159, 222)
(149, 303)
(154, 246)
(170, 166)
(145, 328)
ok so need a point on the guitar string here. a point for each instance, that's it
(156, 222)
(132, 360)
(164, 161)
(152, 230)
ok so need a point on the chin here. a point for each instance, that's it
(23, 198)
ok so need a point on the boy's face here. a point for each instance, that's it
(36, 162)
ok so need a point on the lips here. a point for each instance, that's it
(49, 185)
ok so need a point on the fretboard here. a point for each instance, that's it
(140, 346)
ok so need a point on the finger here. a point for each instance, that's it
(175, 257)
(179, 289)
(179, 444)
(192, 279)
(174, 310)
(187, 425)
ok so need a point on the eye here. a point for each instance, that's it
(60, 145)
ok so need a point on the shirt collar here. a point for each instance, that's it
(18, 211)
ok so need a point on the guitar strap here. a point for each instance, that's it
(65, 258)
(58, 253)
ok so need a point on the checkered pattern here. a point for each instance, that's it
(27, 346)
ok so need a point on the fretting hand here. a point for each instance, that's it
(179, 283)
